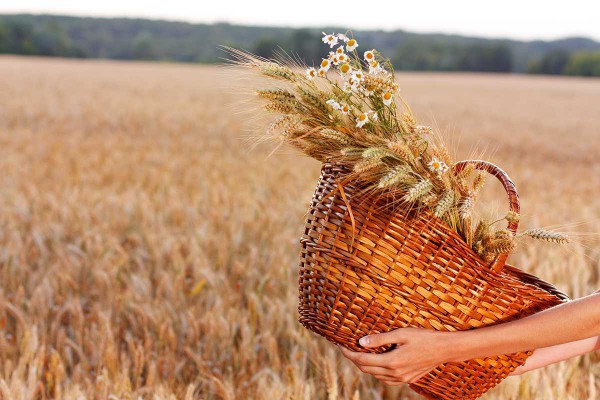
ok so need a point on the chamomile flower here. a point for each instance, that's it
(362, 119)
(370, 55)
(375, 67)
(331, 55)
(331, 40)
(367, 90)
(387, 98)
(311, 73)
(438, 166)
(353, 83)
(334, 104)
(322, 72)
(340, 50)
(345, 108)
(351, 44)
(342, 37)
(335, 60)
(358, 75)
(343, 58)
(345, 68)
(325, 64)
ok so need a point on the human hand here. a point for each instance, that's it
(418, 351)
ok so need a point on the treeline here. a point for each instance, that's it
(139, 39)
(561, 62)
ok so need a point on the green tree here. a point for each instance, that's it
(553, 63)
(265, 47)
(583, 64)
(142, 47)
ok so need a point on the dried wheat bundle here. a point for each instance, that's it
(349, 110)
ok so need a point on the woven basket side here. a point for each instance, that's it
(380, 270)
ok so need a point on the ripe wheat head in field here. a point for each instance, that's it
(145, 252)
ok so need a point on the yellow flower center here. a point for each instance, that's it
(312, 72)
(369, 55)
(345, 108)
(340, 50)
(374, 64)
(330, 38)
(351, 42)
(387, 96)
(344, 68)
(362, 117)
(436, 165)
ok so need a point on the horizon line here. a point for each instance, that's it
(323, 26)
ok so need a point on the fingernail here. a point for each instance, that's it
(364, 341)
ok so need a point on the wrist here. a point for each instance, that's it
(461, 346)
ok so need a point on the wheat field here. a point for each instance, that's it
(148, 251)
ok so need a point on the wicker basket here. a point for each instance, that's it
(368, 269)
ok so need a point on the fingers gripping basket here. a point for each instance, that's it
(366, 268)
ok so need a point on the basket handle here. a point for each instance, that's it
(513, 198)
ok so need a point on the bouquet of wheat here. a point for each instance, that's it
(389, 239)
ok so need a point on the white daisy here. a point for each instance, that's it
(335, 60)
(370, 55)
(334, 104)
(351, 44)
(325, 64)
(322, 72)
(343, 58)
(438, 166)
(375, 67)
(340, 50)
(367, 91)
(345, 108)
(345, 68)
(348, 87)
(358, 75)
(342, 37)
(354, 84)
(331, 40)
(362, 119)
(311, 73)
(387, 98)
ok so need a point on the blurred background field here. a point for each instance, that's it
(147, 252)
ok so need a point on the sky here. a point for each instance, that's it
(522, 19)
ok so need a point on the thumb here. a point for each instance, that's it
(381, 339)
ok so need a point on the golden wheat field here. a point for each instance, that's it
(148, 251)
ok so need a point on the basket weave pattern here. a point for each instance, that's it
(366, 268)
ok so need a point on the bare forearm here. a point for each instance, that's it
(573, 321)
(550, 355)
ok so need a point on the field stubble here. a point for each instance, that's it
(146, 251)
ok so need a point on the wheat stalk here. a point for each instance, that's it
(466, 207)
(339, 137)
(418, 190)
(547, 236)
(368, 164)
(444, 205)
(395, 177)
